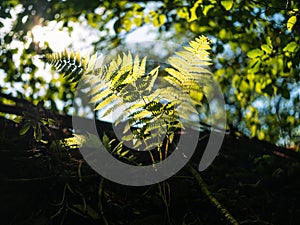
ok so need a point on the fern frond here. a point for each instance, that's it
(117, 107)
(128, 110)
(100, 97)
(72, 64)
(125, 78)
(130, 93)
(153, 145)
(145, 83)
(118, 73)
(189, 69)
(123, 88)
(157, 125)
(97, 88)
(106, 102)
(168, 93)
(139, 115)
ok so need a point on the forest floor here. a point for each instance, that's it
(253, 182)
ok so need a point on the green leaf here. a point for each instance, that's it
(171, 137)
(159, 20)
(51, 121)
(253, 130)
(138, 21)
(244, 86)
(183, 13)
(266, 48)
(18, 119)
(255, 53)
(38, 133)
(193, 11)
(290, 120)
(124, 153)
(291, 47)
(44, 121)
(269, 42)
(261, 135)
(227, 4)
(222, 34)
(291, 22)
(127, 24)
(24, 129)
(106, 141)
(254, 65)
(206, 9)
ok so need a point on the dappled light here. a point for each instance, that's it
(57, 40)
(150, 112)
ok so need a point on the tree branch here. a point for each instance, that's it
(211, 198)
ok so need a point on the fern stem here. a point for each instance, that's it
(150, 153)
(160, 152)
(167, 148)
(211, 198)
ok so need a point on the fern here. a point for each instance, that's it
(151, 112)
(72, 65)
(189, 70)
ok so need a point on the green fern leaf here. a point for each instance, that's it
(72, 65)
(100, 97)
(106, 102)
(189, 69)
(152, 111)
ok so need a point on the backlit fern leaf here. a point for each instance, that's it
(129, 109)
(123, 86)
(178, 99)
(72, 65)
(117, 82)
(190, 68)
(109, 100)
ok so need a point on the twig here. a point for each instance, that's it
(165, 192)
(100, 206)
(211, 198)
(47, 179)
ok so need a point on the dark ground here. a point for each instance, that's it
(256, 182)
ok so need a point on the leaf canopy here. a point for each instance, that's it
(255, 50)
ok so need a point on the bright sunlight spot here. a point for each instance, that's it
(58, 40)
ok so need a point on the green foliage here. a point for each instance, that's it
(124, 85)
(291, 22)
(70, 65)
(37, 120)
(255, 49)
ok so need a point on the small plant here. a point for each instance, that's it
(36, 119)
(153, 113)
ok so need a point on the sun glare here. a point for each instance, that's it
(58, 40)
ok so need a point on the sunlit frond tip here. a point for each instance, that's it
(200, 47)
(72, 64)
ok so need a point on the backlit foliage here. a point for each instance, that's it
(255, 51)
(125, 85)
